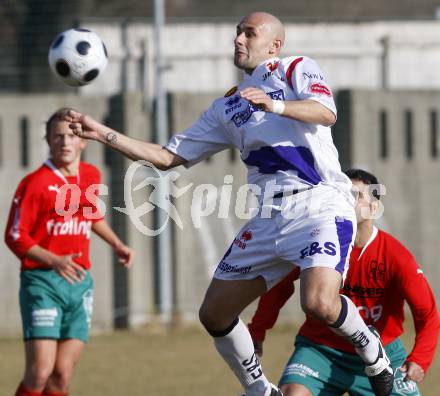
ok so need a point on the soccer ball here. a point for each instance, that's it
(77, 57)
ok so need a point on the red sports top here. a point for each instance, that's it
(33, 218)
(381, 277)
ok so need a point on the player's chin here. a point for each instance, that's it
(240, 61)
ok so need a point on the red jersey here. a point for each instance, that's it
(381, 277)
(33, 218)
(270, 304)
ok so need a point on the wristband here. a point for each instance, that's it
(278, 106)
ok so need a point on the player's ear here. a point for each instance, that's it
(275, 47)
(374, 207)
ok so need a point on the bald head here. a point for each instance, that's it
(268, 22)
(260, 36)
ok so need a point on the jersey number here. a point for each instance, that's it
(373, 313)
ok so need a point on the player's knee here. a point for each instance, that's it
(61, 378)
(321, 307)
(295, 390)
(214, 324)
(204, 316)
(208, 318)
(37, 377)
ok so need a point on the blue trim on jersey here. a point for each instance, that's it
(282, 158)
(344, 229)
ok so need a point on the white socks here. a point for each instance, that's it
(237, 349)
(351, 326)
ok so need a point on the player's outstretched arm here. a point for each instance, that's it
(308, 111)
(86, 127)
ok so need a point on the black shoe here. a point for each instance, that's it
(380, 373)
(274, 392)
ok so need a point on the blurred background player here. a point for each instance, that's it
(279, 117)
(382, 276)
(56, 290)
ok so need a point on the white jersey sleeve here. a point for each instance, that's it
(204, 138)
(308, 81)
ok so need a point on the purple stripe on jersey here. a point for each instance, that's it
(344, 229)
(282, 158)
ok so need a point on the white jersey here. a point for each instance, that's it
(275, 149)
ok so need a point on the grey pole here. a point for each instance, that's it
(164, 239)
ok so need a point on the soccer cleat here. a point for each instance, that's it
(274, 391)
(380, 374)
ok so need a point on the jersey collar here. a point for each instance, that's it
(261, 66)
(57, 172)
(372, 237)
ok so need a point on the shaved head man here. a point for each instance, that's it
(279, 117)
(259, 36)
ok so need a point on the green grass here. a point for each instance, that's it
(154, 363)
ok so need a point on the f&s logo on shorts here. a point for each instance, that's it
(315, 248)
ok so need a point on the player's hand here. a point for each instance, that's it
(258, 98)
(68, 269)
(258, 347)
(413, 372)
(125, 255)
(83, 125)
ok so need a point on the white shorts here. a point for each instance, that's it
(315, 228)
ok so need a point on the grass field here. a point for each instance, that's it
(154, 363)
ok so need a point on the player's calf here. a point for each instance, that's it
(236, 347)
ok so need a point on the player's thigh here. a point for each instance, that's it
(68, 354)
(253, 253)
(248, 268)
(77, 318)
(319, 237)
(41, 304)
(40, 357)
(227, 298)
(320, 287)
(316, 368)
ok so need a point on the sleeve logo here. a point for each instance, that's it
(231, 92)
(320, 89)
